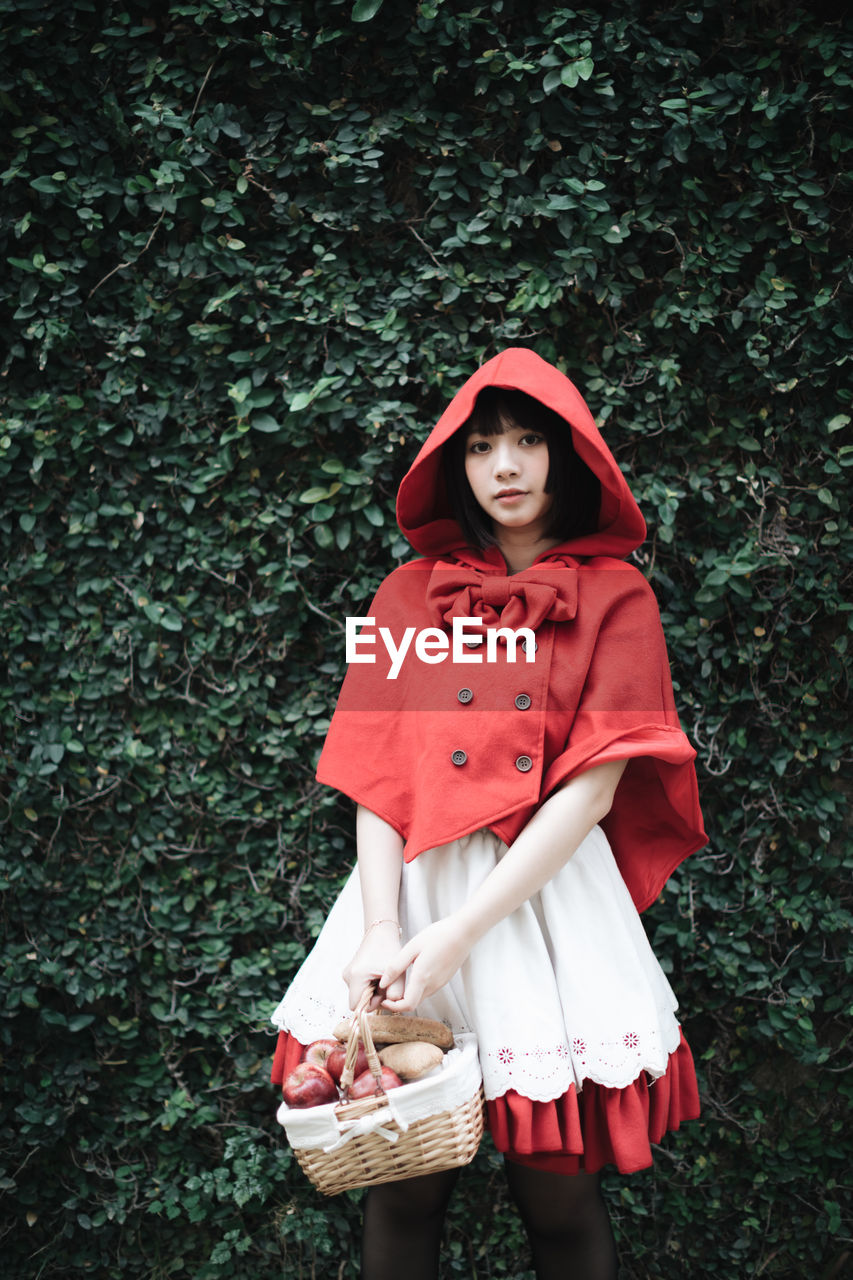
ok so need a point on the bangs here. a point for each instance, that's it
(498, 410)
(493, 419)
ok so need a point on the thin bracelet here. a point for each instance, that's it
(387, 920)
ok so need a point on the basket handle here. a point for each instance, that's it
(360, 1032)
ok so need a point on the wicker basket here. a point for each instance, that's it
(430, 1124)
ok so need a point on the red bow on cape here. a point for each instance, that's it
(520, 600)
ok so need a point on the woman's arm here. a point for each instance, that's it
(380, 862)
(550, 838)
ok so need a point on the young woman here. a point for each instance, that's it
(518, 805)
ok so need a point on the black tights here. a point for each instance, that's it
(567, 1223)
(403, 1222)
(565, 1218)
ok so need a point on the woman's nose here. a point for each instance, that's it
(506, 462)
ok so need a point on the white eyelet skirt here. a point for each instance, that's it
(564, 991)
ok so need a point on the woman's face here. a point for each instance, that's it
(508, 474)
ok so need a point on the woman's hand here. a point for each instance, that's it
(379, 946)
(434, 955)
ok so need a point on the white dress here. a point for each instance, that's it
(565, 989)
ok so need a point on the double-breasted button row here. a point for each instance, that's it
(523, 763)
(522, 700)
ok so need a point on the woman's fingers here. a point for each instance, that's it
(366, 967)
(395, 989)
(396, 985)
(395, 969)
(431, 958)
(422, 980)
(355, 990)
(408, 1002)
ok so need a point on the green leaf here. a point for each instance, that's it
(343, 534)
(303, 398)
(364, 10)
(301, 401)
(241, 390)
(265, 422)
(78, 1021)
(833, 1214)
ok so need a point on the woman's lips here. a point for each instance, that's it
(508, 496)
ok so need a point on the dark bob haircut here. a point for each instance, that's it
(576, 490)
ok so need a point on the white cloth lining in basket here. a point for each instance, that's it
(444, 1090)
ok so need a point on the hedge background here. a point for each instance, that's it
(250, 251)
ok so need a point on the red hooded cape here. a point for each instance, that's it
(444, 742)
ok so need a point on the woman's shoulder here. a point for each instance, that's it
(612, 582)
(621, 573)
(407, 581)
(422, 564)
(408, 570)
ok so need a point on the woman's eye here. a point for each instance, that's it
(479, 446)
(532, 437)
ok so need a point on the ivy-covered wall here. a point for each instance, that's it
(250, 250)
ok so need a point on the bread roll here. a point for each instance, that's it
(412, 1059)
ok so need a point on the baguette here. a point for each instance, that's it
(393, 1028)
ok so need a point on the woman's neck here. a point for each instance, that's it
(520, 551)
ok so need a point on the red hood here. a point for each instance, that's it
(423, 510)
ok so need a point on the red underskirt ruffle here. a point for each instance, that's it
(288, 1054)
(577, 1131)
(598, 1126)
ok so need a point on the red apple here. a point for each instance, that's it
(319, 1052)
(364, 1086)
(309, 1086)
(336, 1059)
